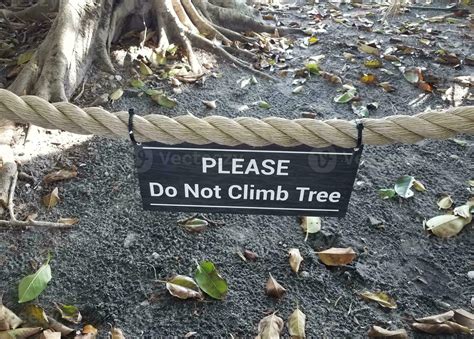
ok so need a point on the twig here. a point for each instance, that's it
(27, 223)
(82, 90)
(11, 193)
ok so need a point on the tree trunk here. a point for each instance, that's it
(84, 30)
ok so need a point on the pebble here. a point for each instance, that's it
(118, 77)
(374, 221)
(470, 275)
(155, 255)
(304, 274)
(129, 240)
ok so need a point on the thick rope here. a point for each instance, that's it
(243, 130)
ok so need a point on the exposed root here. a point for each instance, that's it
(203, 43)
(84, 30)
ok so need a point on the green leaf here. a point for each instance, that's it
(117, 94)
(346, 97)
(403, 186)
(164, 101)
(210, 281)
(152, 92)
(145, 70)
(387, 193)
(313, 67)
(263, 104)
(70, 313)
(31, 286)
(137, 83)
(25, 57)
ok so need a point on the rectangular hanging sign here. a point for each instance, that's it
(247, 180)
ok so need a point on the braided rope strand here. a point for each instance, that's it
(234, 131)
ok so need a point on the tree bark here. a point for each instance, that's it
(84, 30)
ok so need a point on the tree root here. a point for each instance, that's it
(84, 30)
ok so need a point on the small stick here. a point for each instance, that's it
(26, 223)
(11, 193)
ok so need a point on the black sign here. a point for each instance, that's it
(249, 180)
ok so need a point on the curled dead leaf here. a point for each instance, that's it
(337, 256)
(62, 174)
(50, 200)
(183, 287)
(437, 318)
(58, 327)
(116, 333)
(379, 332)
(273, 288)
(9, 318)
(446, 226)
(270, 327)
(295, 259)
(368, 79)
(211, 104)
(445, 202)
(448, 327)
(333, 78)
(20, 333)
(464, 318)
(382, 298)
(48, 334)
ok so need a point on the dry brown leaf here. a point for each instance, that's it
(445, 202)
(437, 318)
(381, 297)
(296, 324)
(464, 318)
(270, 327)
(35, 316)
(379, 332)
(9, 318)
(331, 77)
(249, 255)
(419, 186)
(89, 329)
(337, 256)
(368, 79)
(68, 221)
(20, 333)
(58, 327)
(62, 174)
(447, 327)
(273, 288)
(446, 226)
(48, 334)
(295, 259)
(116, 333)
(211, 104)
(51, 199)
(387, 87)
(183, 287)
